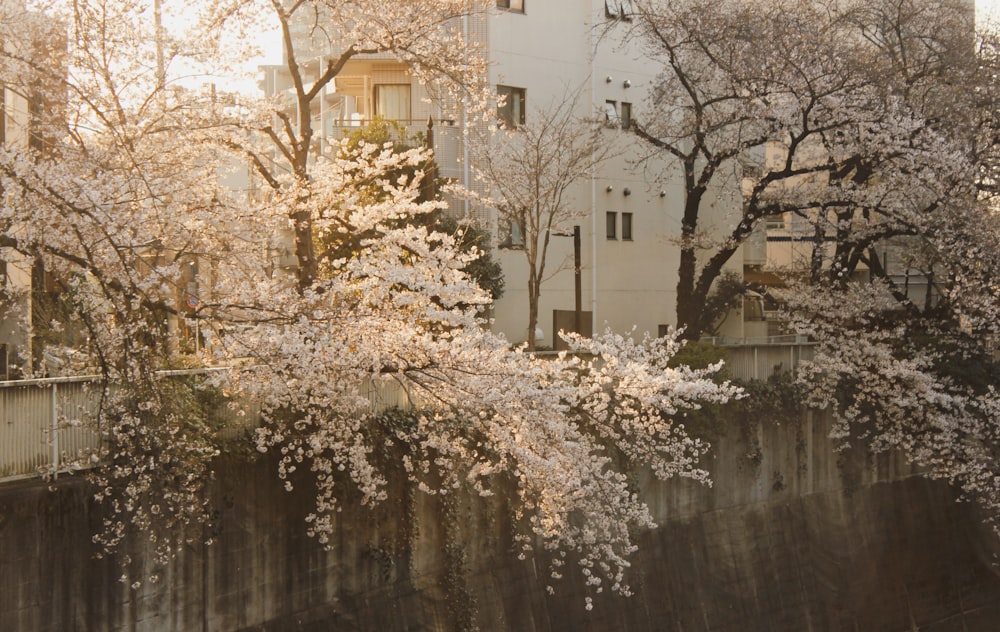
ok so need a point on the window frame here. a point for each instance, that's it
(625, 115)
(409, 100)
(505, 5)
(611, 116)
(611, 225)
(619, 9)
(627, 228)
(505, 113)
(511, 231)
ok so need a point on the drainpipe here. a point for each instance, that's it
(594, 321)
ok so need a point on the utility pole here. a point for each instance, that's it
(578, 280)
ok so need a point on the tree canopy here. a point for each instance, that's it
(870, 127)
(863, 120)
(125, 194)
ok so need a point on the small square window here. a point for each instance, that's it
(511, 112)
(626, 115)
(627, 226)
(619, 9)
(611, 113)
(511, 5)
(392, 101)
(612, 225)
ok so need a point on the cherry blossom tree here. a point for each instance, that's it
(425, 35)
(873, 124)
(906, 360)
(795, 109)
(122, 192)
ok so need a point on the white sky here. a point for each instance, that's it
(271, 43)
(987, 9)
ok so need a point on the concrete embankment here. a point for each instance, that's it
(792, 536)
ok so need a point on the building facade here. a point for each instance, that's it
(628, 210)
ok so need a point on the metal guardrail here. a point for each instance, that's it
(47, 424)
(754, 361)
(41, 421)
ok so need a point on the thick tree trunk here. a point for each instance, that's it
(305, 251)
(688, 304)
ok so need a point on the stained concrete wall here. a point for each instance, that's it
(793, 536)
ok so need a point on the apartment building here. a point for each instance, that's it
(628, 211)
(15, 272)
(28, 295)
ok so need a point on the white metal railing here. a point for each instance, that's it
(43, 420)
(47, 424)
(756, 361)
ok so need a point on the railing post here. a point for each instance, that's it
(54, 430)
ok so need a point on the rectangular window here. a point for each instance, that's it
(618, 9)
(511, 5)
(611, 113)
(512, 234)
(510, 111)
(626, 115)
(627, 226)
(392, 101)
(612, 229)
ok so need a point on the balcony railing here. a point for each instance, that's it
(447, 141)
(759, 360)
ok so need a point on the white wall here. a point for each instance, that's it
(546, 50)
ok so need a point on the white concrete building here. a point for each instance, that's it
(15, 270)
(541, 51)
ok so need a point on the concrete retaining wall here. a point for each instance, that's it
(793, 536)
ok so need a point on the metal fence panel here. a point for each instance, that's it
(42, 424)
(24, 418)
(759, 362)
(46, 423)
